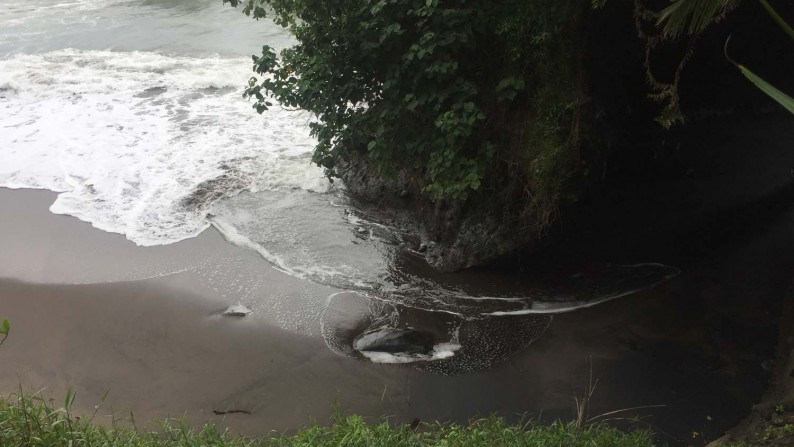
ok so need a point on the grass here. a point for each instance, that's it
(28, 421)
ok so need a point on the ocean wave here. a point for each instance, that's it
(143, 144)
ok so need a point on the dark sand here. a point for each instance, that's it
(92, 312)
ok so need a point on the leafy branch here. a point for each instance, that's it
(426, 87)
(690, 18)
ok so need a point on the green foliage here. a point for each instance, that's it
(681, 18)
(354, 431)
(770, 90)
(773, 92)
(424, 86)
(692, 16)
(31, 421)
(777, 18)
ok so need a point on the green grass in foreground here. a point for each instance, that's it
(31, 421)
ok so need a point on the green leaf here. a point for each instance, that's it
(777, 18)
(692, 16)
(419, 83)
(770, 90)
(69, 400)
(5, 327)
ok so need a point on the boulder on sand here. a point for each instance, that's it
(394, 340)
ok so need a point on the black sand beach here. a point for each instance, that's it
(157, 344)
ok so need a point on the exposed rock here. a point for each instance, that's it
(394, 340)
(771, 421)
(453, 235)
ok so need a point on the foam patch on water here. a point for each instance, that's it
(644, 276)
(144, 144)
(440, 351)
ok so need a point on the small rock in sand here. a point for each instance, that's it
(238, 310)
(394, 340)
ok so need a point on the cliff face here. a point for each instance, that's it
(452, 235)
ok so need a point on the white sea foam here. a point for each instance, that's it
(237, 310)
(440, 351)
(143, 144)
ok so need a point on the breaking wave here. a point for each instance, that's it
(144, 144)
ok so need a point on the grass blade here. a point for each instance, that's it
(69, 401)
(5, 328)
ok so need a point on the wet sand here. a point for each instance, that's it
(133, 323)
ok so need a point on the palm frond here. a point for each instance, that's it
(692, 16)
(770, 90)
